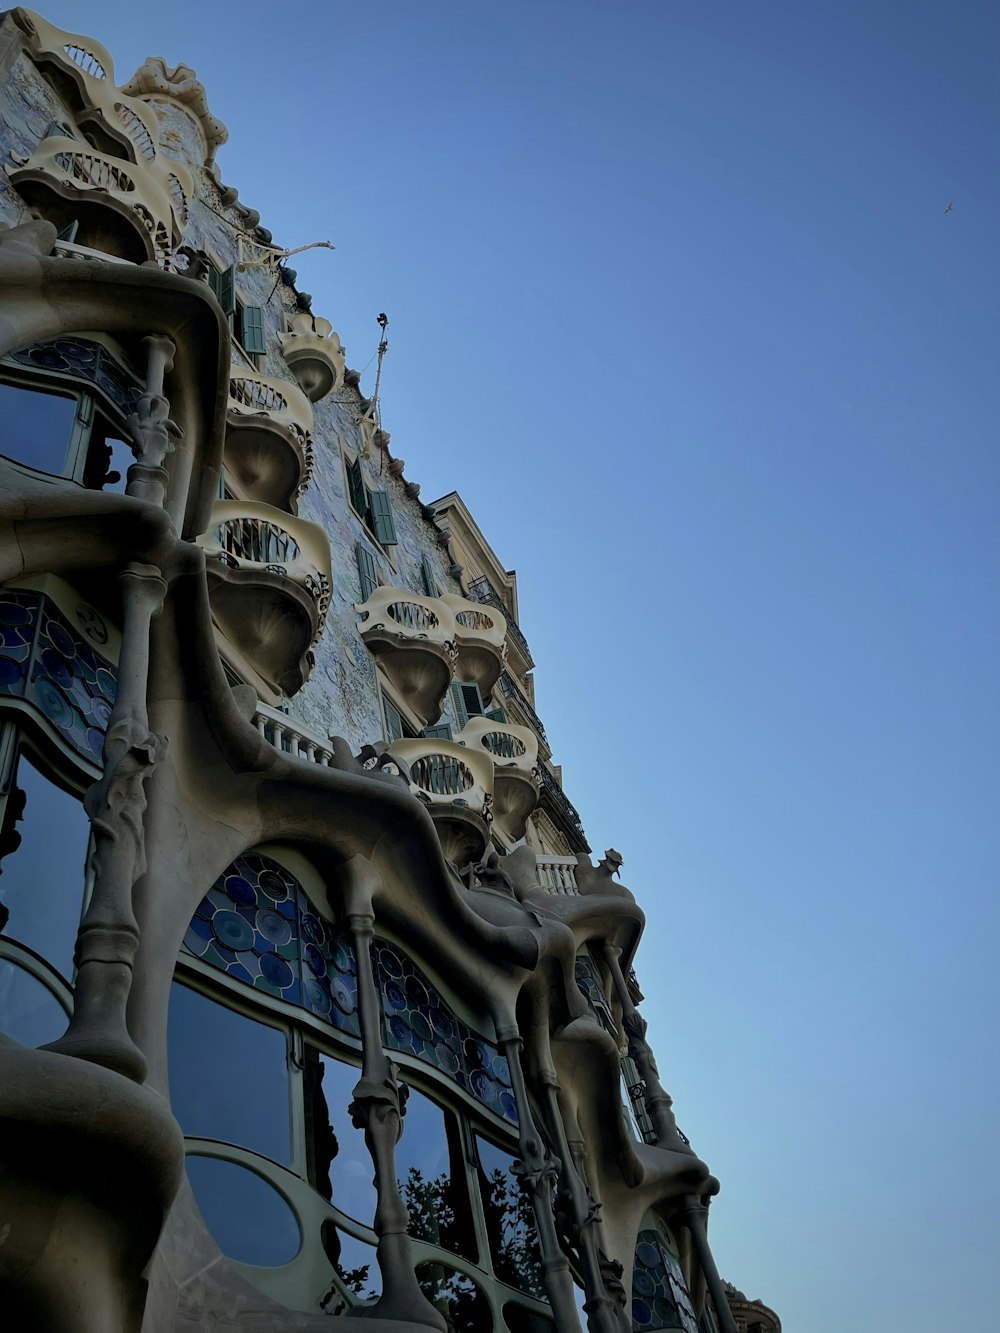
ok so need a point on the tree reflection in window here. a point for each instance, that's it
(510, 1221)
(456, 1296)
(429, 1163)
(358, 1278)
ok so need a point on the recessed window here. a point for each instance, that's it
(37, 427)
(432, 1177)
(228, 1075)
(41, 888)
(246, 322)
(372, 507)
(510, 1220)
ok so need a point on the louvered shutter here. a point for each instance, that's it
(442, 732)
(224, 286)
(367, 571)
(393, 721)
(427, 573)
(385, 528)
(357, 488)
(252, 328)
(467, 700)
(496, 715)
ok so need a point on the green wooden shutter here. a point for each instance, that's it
(224, 286)
(427, 574)
(467, 700)
(356, 487)
(394, 730)
(367, 571)
(385, 529)
(252, 328)
(496, 715)
(442, 732)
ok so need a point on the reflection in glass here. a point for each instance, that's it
(36, 427)
(358, 1278)
(431, 1174)
(340, 1165)
(228, 1076)
(519, 1319)
(248, 1218)
(41, 886)
(510, 1221)
(456, 1296)
(29, 1012)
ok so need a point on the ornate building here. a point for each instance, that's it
(313, 1001)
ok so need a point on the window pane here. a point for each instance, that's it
(519, 1319)
(457, 1297)
(29, 1012)
(355, 1264)
(248, 1218)
(36, 427)
(342, 1165)
(42, 881)
(510, 1221)
(432, 1177)
(228, 1075)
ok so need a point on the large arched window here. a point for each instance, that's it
(265, 1053)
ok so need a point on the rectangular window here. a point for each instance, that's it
(38, 426)
(250, 330)
(467, 700)
(367, 571)
(223, 284)
(356, 488)
(394, 725)
(496, 715)
(441, 732)
(427, 575)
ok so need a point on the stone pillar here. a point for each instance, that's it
(152, 430)
(696, 1220)
(109, 934)
(377, 1108)
(539, 1170)
(579, 1220)
(659, 1103)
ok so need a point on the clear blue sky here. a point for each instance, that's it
(675, 304)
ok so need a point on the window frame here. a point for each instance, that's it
(349, 462)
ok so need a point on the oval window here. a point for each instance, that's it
(248, 1218)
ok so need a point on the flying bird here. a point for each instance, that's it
(949, 208)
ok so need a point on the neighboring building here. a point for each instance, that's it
(751, 1316)
(284, 855)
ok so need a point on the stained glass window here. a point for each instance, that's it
(589, 982)
(659, 1295)
(257, 925)
(88, 361)
(43, 659)
(419, 1022)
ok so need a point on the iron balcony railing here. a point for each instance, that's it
(562, 803)
(511, 691)
(482, 590)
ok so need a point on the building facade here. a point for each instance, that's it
(313, 1001)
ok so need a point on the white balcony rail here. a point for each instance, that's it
(556, 874)
(291, 736)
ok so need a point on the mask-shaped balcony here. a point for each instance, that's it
(130, 210)
(269, 452)
(269, 583)
(413, 638)
(514, 751)
(456, 784)
(480, 636)
(313, 354)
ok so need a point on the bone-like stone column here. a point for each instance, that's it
(539, 1170)
(696, 1219)
(153, 432)
(579, 1215)
(377, 1108)
(659, 1103)
(109, 934)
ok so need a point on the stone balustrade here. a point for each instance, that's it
(314, 354)
(269, 450)
(556, 874)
